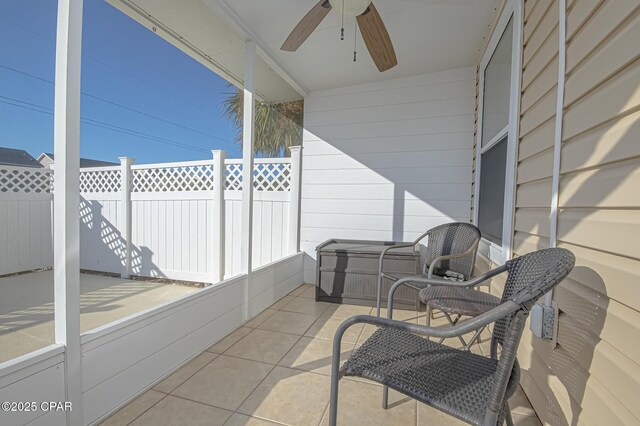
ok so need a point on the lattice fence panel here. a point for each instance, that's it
(272, 176)
(177, 178)
(233, 173)
(266, 176)
(23, 180)
(101, 181)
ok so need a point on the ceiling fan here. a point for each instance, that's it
(373, 31)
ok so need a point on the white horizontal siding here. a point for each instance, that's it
(379, 162)
(411, 143)
(387, 160)
(419, 208)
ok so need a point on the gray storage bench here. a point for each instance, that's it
(347, 272)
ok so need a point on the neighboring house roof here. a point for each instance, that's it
(17, 157)
(84, 162)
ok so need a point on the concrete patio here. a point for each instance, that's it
(275, 370)
(26, 306)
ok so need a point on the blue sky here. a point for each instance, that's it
(141, 95)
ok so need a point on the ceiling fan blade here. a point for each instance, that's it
(305, 27)
(377, 39)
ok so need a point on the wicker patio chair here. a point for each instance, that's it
(450, 252)
(470, 387)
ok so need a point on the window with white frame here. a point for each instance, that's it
(499, 86)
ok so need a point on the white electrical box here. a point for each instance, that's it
(543, 322)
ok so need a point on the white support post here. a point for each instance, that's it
(66, 136)
(248, 138)
(294, 198)
(544, 316)
(125, 224)
(557, 145)
(219, 181)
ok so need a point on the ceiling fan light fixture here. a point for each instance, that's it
(368, 21)
(351, 7)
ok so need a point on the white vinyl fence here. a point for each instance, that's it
(25, 219)
(179, 220)
(174, 221)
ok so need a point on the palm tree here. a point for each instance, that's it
(278, 126)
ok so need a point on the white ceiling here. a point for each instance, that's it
(428, 36)
(198, 31)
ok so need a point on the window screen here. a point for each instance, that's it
(497, 87)
(492, 185)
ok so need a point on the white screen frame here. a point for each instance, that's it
(512, 9)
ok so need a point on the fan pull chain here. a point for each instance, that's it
(342, 29)
(355, 39)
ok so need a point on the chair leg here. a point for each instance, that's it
(453, 322)
(427, 320)
(475, 337)
(385, 397)
(390, 296)
(336, 372)
(507, 417)
(333, 401)
(333, 398)
(379, 294)
(494, 348)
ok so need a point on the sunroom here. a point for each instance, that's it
(519, 116)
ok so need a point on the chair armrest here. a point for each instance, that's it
(439, 259)
(388, 249)
(501, 311)
(398, 246)
(381, 264)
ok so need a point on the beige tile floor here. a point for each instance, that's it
(26, 306)
(275, 370)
